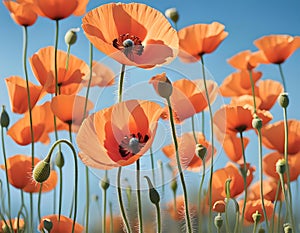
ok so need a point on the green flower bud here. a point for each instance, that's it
(48, 225)
(256, 217)
(4, 118)
(257, 123)
(105, 183)
(41, 171)
(71, 36)
(280, 166)
(59, 159)
(153, 194)
(261, 230)
(172, 14)
(174, 185)
(218, 221)
(283, 100)
(200, 151)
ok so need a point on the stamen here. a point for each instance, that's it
(130, 146)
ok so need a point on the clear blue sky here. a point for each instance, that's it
(244, 20)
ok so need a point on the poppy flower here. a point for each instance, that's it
(187, 145)
(63, 225)
(273, 136)
(14, 224)
(269, 165)
(118, 135)
(230, 171)
(241, 61)
(199, 39)
(275, 48)
(69, 108)
(245, 100)
(102, 76)
(60, 9)
(270, 187)
(256, 205)
(238, 118)
(133, 34)
(238, 83)
(42, 64)
(17, 91)
(22, 11)
(19, 171)
(117, 224)
(178, 213)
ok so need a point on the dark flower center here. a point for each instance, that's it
(132, 145)
(241, 128)
(129, 44)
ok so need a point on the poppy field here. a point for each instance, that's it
(119, 124)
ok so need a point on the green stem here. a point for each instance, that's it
(286, 198)
(279, 216)
(275, 204)
(87, 193)
(203, 123)
(6, 177)
(236, 225)
(70, 132)
(174, 201)
(187, 215)
(226, 215)
(255, 227)
(212, 146)
(104, 210)
(31, 212)
(138, 192)
(200, 196)
(160, 164)
(121, 200)
(39, 201)
(282, 78)
(68, 56)
(121, 81)
(193, 129)
(158, 218)
(55, 56)
(244, 174)
(60, 192)
(261, 179)
(152, 165)
(111, 218)
(252, 89)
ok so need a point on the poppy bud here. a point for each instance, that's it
(59, 159)
(280, 166)
(287, 228)
(41, 171)
(48, 225)
(162, 85)
(153, 194)
(256, 217)
(283, 100)
(105, 183)
(174, 185)
(261, 230)
(219, 206)
(257, 123)
(172, 14)
(200, 151)
(218, 221)
(4, 118)
(71, 36)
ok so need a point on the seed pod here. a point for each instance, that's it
(41, 171)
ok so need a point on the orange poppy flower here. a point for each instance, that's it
(118, 135)
(133, 34)
(14, 225)
(199, 39)
(241, 61)
(238, 83)
(275, 48)
(178, 213)
(238, 118)
(102, 76)
(245, 100)
(60, 9)
(42, 64)
(269, 165)
(19, 171)
(273, 136)
(69, 108)
(187, 145)
(22, 11)
(17, 91)
(255, 205)
(61, 226)
(117, 224)
(270, 187)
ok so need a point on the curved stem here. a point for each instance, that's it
(193, 129)
(121, 200)
(187, 215)
(282, 77)
(212, 146)
(138, 192)
(60, 192)
(244, 174)
(252, 89)
(200, 196)
(261, 179)
(121, 81)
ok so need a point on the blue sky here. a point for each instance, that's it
(244, 20)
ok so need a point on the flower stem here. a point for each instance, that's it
(138, 192)
(282, 77)
(261, 178)
(275, 204)
(187, 215)
(87, 193)
(121, 81)
(111, 218)
(203, 123)
(39, 201)
(254, 227)
(70, 132)
(286, 199)
(193, 129)
(60, 192)
(212, 146)
(244, 174)
(152, 165)
(200, 196)
(104, 206)
(158, 218)
(55, 56)
(252, 89)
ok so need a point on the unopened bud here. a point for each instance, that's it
(283, 100)
(153, 194)
(59, 159)
(256, 217)
(41, 171)
(71, 36)
(287, 228)
(174, 185)
(162, 85)
(257, 123)
(280, 166)
(261, 230)
(172, 14)
(218, 221)
(4, 118)
(48, 225)
(105, 183)
(200, 151)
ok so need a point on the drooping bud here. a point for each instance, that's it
(153, 194)
(172, 14)
(280, 166)
(41, 171)
(257, 122)
(218, 221)
(48, 225)
(200, 151)
(71, 36)
(59, 159)
(162, 85)
(105, 183)
(4, 118)
(256, 217)
(283, 100)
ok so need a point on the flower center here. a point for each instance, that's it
(241, 128)
(132, 145)
(129, 44)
